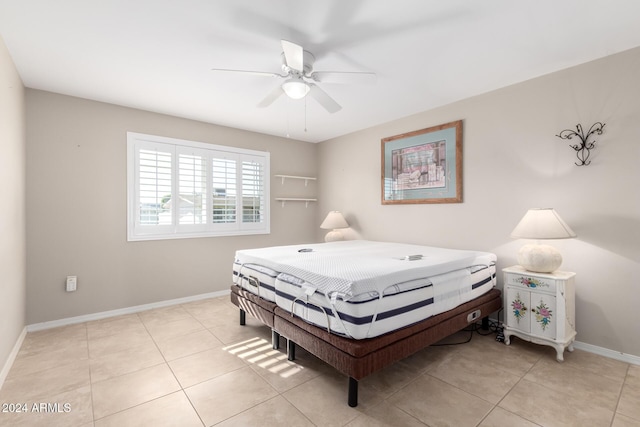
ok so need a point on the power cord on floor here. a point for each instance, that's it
(500, 329)
(494, 327)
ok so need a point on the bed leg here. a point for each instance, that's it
(291, 350)
(243, 317)
(485, 323)
(353, 392)
(275, 339)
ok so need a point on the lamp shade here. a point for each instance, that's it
(542, 223)
(295, 88)
(333, 221)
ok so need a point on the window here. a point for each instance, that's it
(179, 189)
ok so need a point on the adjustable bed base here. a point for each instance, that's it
(358, 358)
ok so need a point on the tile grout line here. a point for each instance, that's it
(497, 405)
(142, 403)
(539, 362)
(166, 362)
(93, 412)
(156, 398)
(624, 381)
(423, 374)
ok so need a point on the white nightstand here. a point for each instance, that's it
(540, 307)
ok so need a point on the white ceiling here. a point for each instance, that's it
(157, 54)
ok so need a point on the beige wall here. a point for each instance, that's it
(76, 210)
(12, 214)
(76, 195)
(513, 161)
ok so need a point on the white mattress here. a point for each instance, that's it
(363, 289)
(255, 278)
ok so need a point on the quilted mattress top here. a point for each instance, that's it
(353, 267)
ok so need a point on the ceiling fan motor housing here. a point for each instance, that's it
(308, 60)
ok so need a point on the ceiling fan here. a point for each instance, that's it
(300, 79)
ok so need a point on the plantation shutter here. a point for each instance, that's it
(182, 189)
(192, 189)
(253, 194)
(224, 188)
(154, 187)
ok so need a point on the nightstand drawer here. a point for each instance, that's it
(529, 282)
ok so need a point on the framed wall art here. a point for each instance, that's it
(423, 166)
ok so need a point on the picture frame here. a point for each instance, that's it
(423, 166)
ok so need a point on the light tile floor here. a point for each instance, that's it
(194, 365)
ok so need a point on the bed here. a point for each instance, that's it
(361, 305)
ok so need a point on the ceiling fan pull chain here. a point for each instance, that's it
(287, 108)
(305, 114)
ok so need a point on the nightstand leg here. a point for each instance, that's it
(507, 339)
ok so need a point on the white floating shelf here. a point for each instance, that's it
(305, 178)
(283, 200)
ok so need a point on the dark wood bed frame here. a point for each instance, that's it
(359, 358)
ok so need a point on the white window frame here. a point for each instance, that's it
(137, 231)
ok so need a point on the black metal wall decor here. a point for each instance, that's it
(584, 147)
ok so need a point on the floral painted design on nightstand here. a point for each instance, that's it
(519, 309)
(530, 282)
(543, 315)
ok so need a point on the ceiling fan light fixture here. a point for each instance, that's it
(296, 88)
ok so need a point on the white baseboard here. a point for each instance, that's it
(628, 358)
(95, 316)
(12, 357)
(623, 357)
(127, 310)
(590, 348)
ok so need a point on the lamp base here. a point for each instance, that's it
(539, 258)
(333, 236)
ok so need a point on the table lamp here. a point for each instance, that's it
(541, 223)
(334, 221)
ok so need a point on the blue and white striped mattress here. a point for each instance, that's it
(362, 289)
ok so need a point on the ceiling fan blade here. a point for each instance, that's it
(255, 73)
(323, 99)
(344, 77)
(272, 96)
(293, 55)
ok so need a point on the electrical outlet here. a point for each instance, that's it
(72, 283)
